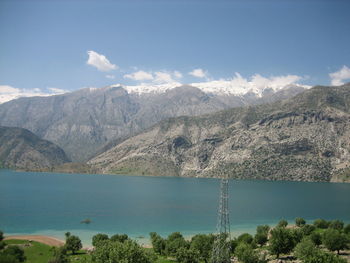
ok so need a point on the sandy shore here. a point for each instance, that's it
(51, 241)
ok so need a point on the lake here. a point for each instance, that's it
(52, 204)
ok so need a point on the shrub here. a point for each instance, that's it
(321, 223)
(246, 254)
(185, 255)
(282, 223)
(300, 221)
(334, 240)
(336, 224)
(98, 238)
(281, 241)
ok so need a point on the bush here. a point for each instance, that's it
(98, 238)
(204, 245)
(115, 251)
(245, 238)
(305, 249)
(5, 258)
(336, 224)
(185, 255)
(246, 254)
(282, 223)
(347, 229)
(15, 252)
(1, 235)
(174, 242)
(321, 223)
(316, 238)
(60, 256)
(300, 221)
(334, 240)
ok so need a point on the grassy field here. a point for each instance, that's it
(36, 252)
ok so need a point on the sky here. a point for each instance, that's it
(53, 46)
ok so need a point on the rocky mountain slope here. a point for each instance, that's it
(83, 122)
(21, 149)
(303, 138)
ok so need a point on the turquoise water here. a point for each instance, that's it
(48, 203)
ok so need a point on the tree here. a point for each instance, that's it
(119, 237)
(5, 258)
(116, 252)
(245, 238)
(185, 255)
(246, 254)
(308, 229)
(281, 241)
(347, 229)
(282, 223)
(336, 224)
(316, 238)
(73, 243)
(158, 243)
(204, 245)
(300, 221)
(261, 235)
(98, 238)
(16, 252)
(1, 235)
(174, 242)
(334, 240)
(321, 223)
(308, 253)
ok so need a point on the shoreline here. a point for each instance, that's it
(47, 240)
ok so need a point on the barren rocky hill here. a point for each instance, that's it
(304, 138)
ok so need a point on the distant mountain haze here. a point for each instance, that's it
(88, 121)
(304, 138)
(21, 149)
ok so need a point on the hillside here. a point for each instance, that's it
(305, 138)
(21, 149)
(84, 121)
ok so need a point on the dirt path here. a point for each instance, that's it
(51, 241)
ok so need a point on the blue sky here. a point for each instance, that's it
(44, 44)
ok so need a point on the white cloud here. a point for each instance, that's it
(110, 76)
(8, 93)
(163, 77)
(139, 76)
(177, 74)
(100, 61)
(338, 77)
(238, 85)
(198, 73)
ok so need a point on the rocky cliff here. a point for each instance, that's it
(21, 149)
(305, 138)
(83, 122)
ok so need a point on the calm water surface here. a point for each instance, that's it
(48, 203)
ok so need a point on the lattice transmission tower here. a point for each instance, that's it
(221, 249)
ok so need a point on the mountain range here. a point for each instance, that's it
(91, 120)
(304, 138)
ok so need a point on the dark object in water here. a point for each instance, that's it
(85, 221)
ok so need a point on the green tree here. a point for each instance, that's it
(261, 235)
(246, 254)
(174, 242)
(300, 221)
(120, 252)
(308, 229)
(16, 252)
(347, 229)
(282, 223)
(334, 240)
(185, 255)
(245, 238)
(158, 243)
(204, 245)
(5, 258)
(73, 244)
(281, 241)
(98, 238)
(119, 237)
(1, 235)
(321, 223)
(308, 253)
(336, 224)
(316, 238)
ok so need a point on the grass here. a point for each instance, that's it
(40, 253)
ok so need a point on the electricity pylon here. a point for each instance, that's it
(221, 249)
